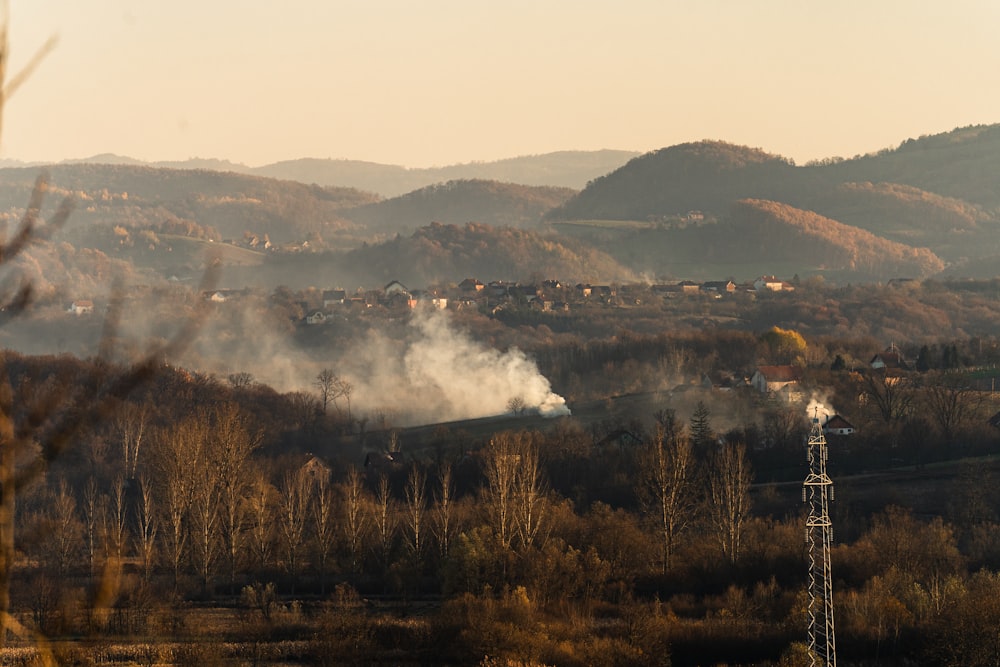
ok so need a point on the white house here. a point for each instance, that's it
(837, 425)
(81, 307)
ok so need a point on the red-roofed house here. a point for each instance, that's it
(837, 425)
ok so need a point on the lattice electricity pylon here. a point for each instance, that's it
(818, 492)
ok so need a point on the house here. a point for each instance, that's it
(889, 359)
(772, 379)
(772, 284)
(315, 469)
(316, 317)
(719, 286)
(837, 425)
(431, 300)
(81, 307)
(471, 285)
(395, 287)
(334, 297)
(584, 289)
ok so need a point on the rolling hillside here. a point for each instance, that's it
(458, 202)
(446, 253)
(936, 192)
(756, 237)
(228, 203)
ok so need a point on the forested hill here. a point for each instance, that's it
(458, 202)
(942, 192)
(963, 164)
(229, 204)
(443, 253)
(784, 233)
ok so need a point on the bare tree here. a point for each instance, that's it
(332, 387)
(119, 521)
(93, 508)
(145, 519)
(355, 519)
(443, 521)
(729, 481)
(205, 518)
(231, 446)
(324, 526)
(529, 495)
(240, 380)
(500, 467)
(951, 401)
(130, 423)
(305, 409)
(179, 454)
(667, 488)
(384, 518)
(416, 507)
(325, 381)
(513, 491)
(294, 505)
(261, 503)
(891, 394)
(66, 530)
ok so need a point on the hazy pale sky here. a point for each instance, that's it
(435, 82)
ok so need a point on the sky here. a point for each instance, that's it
(423, 83)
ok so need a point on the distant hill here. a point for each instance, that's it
(458, 202)
(447, 253)
(703, 176)
(561, 169)
(566, 169)
(709, 175)
(756, 237)
(940, 192)
(963, 163)
(954, 228)
(227, 203)
(780, 232)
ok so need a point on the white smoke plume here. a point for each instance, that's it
(439, 373)
(819, 407)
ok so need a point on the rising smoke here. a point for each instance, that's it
(819, 407)
(437, 372)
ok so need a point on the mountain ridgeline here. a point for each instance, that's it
(704, 210)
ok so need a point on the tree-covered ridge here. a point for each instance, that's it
(439, 252)
(953, 227)
(704, 176)
(782, 232)
(458, 202)
(229, 203)
(963, 163)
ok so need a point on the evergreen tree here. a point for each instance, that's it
(701, 429)
(924, 359)
(838, 364)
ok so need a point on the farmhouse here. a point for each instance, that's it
(774, 379)
(837, 425)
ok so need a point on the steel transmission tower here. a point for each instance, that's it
(817, 491)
